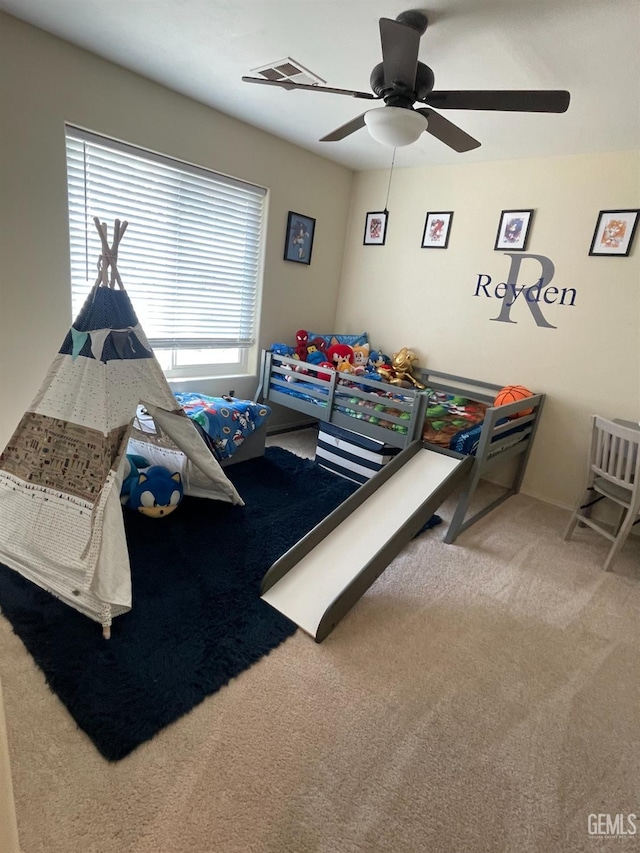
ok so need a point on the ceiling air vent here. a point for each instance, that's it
(288, 69)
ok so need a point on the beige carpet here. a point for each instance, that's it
(483, 696)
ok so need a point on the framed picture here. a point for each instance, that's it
(375, 228)
(513, 230)
(437, 228)
(614, 232)
(299, 240)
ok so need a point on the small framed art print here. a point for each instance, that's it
(513, 230)
(375, 228)
(437, 228)
(299, 238)
(615, 230)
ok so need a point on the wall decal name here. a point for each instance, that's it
(512, 293)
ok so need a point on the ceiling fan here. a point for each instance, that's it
(401, 81)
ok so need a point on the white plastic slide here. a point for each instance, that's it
(318, 580)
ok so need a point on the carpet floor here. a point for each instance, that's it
(482, 697)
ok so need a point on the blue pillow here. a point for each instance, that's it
(349, 340)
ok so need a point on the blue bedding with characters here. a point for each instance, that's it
(225, 421)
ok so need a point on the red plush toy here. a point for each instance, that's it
(319, 344)
(338, 354)
(302, 341)
(325, 376)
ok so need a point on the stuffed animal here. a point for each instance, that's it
(326, 377)
(319, 343)
(341, 357)
(360, 358)
(377, 359)
(291, 374)
(282, 349)
(302, 341)
(315, 356)
(132, 465)
(156, 493)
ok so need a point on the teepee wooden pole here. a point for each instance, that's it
(108, 275)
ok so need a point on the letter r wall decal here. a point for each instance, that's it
(512, 294)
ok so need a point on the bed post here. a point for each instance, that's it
(260, 391)
(457, 522)
(519, 472)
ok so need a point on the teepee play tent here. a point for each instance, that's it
(61, 523)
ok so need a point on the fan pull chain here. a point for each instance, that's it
(393, 160)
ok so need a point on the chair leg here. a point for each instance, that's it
(620, 539)
(621, 517)
(591, 498)
(574, 516)
(572, 525)
(583, 508)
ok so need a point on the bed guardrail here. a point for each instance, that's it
(353, 402)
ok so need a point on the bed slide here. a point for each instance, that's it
(321, 577)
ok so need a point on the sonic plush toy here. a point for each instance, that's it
(132, 465)
(155, 492)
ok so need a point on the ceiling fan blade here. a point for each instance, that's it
(447, 132)
(523, 100)
(345, 129)
(288, 84)
(400, 45)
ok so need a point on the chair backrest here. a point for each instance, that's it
(614, 453)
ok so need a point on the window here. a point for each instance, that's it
(190, 259)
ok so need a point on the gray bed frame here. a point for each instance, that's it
(498, 442)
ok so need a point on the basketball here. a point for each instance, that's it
(511, 393)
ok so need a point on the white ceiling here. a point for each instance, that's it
(202, 48)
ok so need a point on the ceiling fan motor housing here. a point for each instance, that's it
(399, 94)
(415, 19)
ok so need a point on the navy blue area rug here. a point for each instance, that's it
(197, 618)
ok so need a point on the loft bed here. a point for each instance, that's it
(453, 412)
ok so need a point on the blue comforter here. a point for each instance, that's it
(226, 421)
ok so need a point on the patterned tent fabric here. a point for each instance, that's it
(61, 522)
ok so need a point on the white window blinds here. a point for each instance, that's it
(190, 259)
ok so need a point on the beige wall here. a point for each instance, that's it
(424, 298)
(45, 82)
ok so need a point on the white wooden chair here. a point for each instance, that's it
(613, 475)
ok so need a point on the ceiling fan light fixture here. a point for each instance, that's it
(395, 126)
